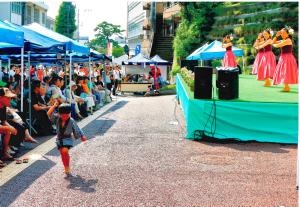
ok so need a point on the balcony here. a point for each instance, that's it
(146, 5)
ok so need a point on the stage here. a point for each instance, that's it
(263, 114)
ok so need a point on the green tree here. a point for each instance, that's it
(65, 20)
(197, 20)
(118, 51)
(105, 31)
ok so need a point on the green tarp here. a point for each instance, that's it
(263, 122)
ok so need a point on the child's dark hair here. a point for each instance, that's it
(64, 108)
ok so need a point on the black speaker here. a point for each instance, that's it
(203, 82)
(228, 83)
(189, 64)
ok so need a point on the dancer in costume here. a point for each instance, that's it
(65, 126)
(229, 59)
(287, 69)
(267, 65)
(260, 40)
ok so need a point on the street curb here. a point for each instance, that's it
(12, 169)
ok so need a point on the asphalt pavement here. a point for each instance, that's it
(136, 155)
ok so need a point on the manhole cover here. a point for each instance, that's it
(213, 160)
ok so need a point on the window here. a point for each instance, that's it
(16, 8)
(28, 15)
(43, 18)
(36, 15)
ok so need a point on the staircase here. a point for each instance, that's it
(162, 46)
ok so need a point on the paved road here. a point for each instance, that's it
(137, 157)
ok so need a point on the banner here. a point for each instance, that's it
(109, 49)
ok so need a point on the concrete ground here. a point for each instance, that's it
(137, 156)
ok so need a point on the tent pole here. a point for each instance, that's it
(104, 78)
(29, 94)
(90, 77)
(70, 76)
(65, 71)
(22, 77)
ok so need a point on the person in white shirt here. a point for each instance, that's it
(12, 71)
(117, 78)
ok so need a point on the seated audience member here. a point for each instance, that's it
(5, 128)
(95, 90)
(85, 93)
(100, 87)
(56, 93)
(46, 81)
(16, 121)
(79, 82)
(76, 101)
(41, 112)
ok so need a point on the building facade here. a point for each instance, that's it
(136, 16)
(22, 13)
(12, 12)
(35, 12)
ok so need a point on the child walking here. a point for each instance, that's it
(65, 126)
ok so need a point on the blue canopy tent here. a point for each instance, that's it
(70, 45)
(196, 54)
(11, 38)
(138, 60)
(159, 61)
(214, 51)
(37, 43)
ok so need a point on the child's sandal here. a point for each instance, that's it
(18, 161)
(25, 160)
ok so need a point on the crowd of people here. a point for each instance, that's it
(44, 90)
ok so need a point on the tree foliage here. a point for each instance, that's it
(65, 20)
(118, 51)
(105, 31)
(197, 19)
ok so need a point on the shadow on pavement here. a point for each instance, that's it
(79, 183)
(115, 107)
(250, 146)
(16, 186)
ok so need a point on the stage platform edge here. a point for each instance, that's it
(242, 120)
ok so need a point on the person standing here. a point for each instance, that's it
(260, 40)
(286, 71)
(267, 64)
(117, 78)
(229, 58)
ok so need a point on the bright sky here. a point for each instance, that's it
(93, 12)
